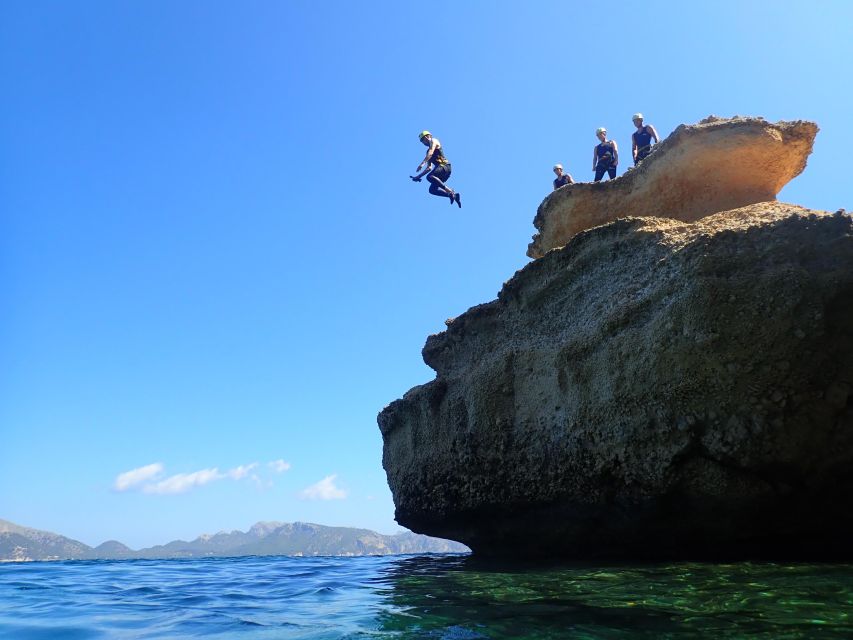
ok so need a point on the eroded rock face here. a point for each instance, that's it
(716, 165)
(654, 388)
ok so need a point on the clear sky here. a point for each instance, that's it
(215, 270)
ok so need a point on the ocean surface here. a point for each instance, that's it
(452, 597)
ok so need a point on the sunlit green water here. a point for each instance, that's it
(450, 597)
(653, 601)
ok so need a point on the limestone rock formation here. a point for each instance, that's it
(654, 388)
(713, 166)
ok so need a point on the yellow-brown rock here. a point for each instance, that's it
(715, 165)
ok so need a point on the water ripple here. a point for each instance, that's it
(442, 597)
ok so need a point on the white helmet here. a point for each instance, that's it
(600, 130)
(637, 116)
(558, 166)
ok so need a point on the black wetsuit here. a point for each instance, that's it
(605, 161)
(440, 172)
(643, 140)
(562, 181)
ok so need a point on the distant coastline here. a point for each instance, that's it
(23, 544)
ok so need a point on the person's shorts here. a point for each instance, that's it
(442, 172)
(609, 169)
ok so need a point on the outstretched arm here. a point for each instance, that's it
(418, 177)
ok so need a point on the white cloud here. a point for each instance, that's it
(147, 479)
(134, 477)
(181, 482)
(279, 466)
(238, 473)
(324, 490)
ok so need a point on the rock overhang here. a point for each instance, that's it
(716, 165)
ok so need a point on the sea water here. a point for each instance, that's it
(452, 597)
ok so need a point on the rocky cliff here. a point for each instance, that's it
(715, 165)
(654, 388)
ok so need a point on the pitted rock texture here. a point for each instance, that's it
(652, 389)
(716, 165)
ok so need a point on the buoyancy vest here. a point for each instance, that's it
(643, 139)
(437, 158)
(604, 154)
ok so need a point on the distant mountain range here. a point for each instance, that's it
(19, 543)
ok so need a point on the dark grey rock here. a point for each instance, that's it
(652, 389)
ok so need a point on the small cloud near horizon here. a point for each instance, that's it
(324, 490)
(145, 478)
(242, 471)
(183, 482)
(279, 466)
(135, 477)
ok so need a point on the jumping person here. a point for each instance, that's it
(605, 156)
(641, 139)
(562, 178)
(438, 168)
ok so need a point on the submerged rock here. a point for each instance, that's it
(652, 389)
(715, 165)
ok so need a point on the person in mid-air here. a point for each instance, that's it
(438, 168)
(562, 178)
(641, 139)
(605, 156)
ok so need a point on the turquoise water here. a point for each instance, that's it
(452, 597)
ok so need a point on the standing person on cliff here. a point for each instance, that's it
(641, 139)
(605, 156)
(438, 168)
(562, 178)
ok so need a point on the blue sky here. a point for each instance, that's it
(214, 268)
